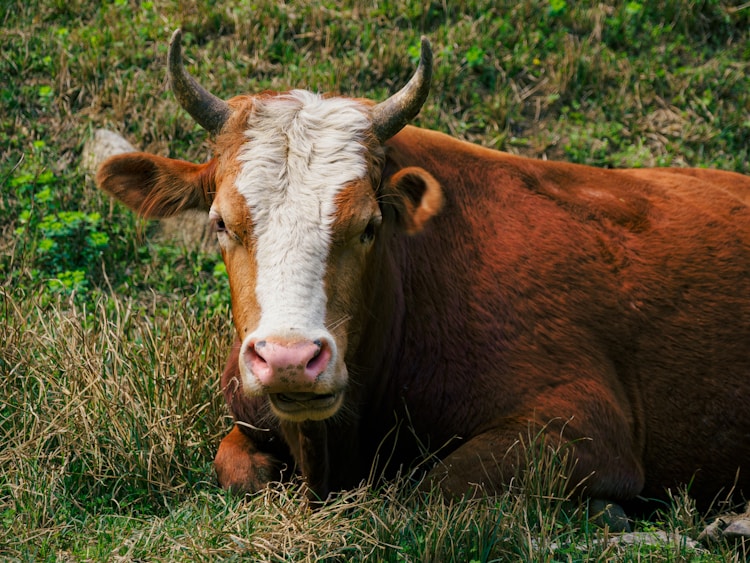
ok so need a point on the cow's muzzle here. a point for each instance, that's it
(288, 365)
(296, 374)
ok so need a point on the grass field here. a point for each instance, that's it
(113, 332)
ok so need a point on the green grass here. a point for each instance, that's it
(114, 332)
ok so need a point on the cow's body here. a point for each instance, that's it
(500, 295)
(615, 303)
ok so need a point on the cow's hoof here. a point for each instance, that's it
(241, 468)
(607, 514)
(729, 526)
(250, 476)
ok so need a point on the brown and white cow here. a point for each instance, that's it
(394, 289)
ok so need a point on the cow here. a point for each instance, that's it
(398, 293)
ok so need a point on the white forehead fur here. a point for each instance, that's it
(301, 150)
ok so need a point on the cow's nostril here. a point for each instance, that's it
(319, 360)
(255, 358)
(256, 351)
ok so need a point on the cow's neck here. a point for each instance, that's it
(308, 442)
(380, 344)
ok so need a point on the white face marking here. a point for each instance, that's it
(301, 151)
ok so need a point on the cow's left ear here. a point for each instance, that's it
(416, 196)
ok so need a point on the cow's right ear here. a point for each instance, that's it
(155, 186)
(416, 196)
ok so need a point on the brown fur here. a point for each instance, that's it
(610, 308)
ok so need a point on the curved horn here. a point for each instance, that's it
(391, 115)
(209, 111)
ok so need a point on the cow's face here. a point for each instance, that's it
(294, 194)
(296, 220)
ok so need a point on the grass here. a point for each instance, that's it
(113, 334)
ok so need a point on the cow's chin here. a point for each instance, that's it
(298, 407)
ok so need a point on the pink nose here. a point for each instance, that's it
(295, 365)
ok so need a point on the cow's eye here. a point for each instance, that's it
(219, 226)
(217, 222)
(368, 234)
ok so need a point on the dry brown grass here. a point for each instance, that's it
(116, 397)
(111, 418)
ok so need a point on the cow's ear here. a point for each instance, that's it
(416, 196)
(155, 186)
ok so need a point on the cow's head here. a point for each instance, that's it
(297, 196)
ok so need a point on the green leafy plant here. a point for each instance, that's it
(63, 247)
(556, 7)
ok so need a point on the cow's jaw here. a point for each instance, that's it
(305, 406)
(300, 151)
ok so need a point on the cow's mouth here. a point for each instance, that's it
(305, 405)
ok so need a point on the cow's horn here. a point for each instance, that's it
(390, 116)
(209, 111)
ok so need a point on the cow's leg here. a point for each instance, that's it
(255, 454)
(489, 462)
(493, 458)
(241, 467)
(583, 419)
